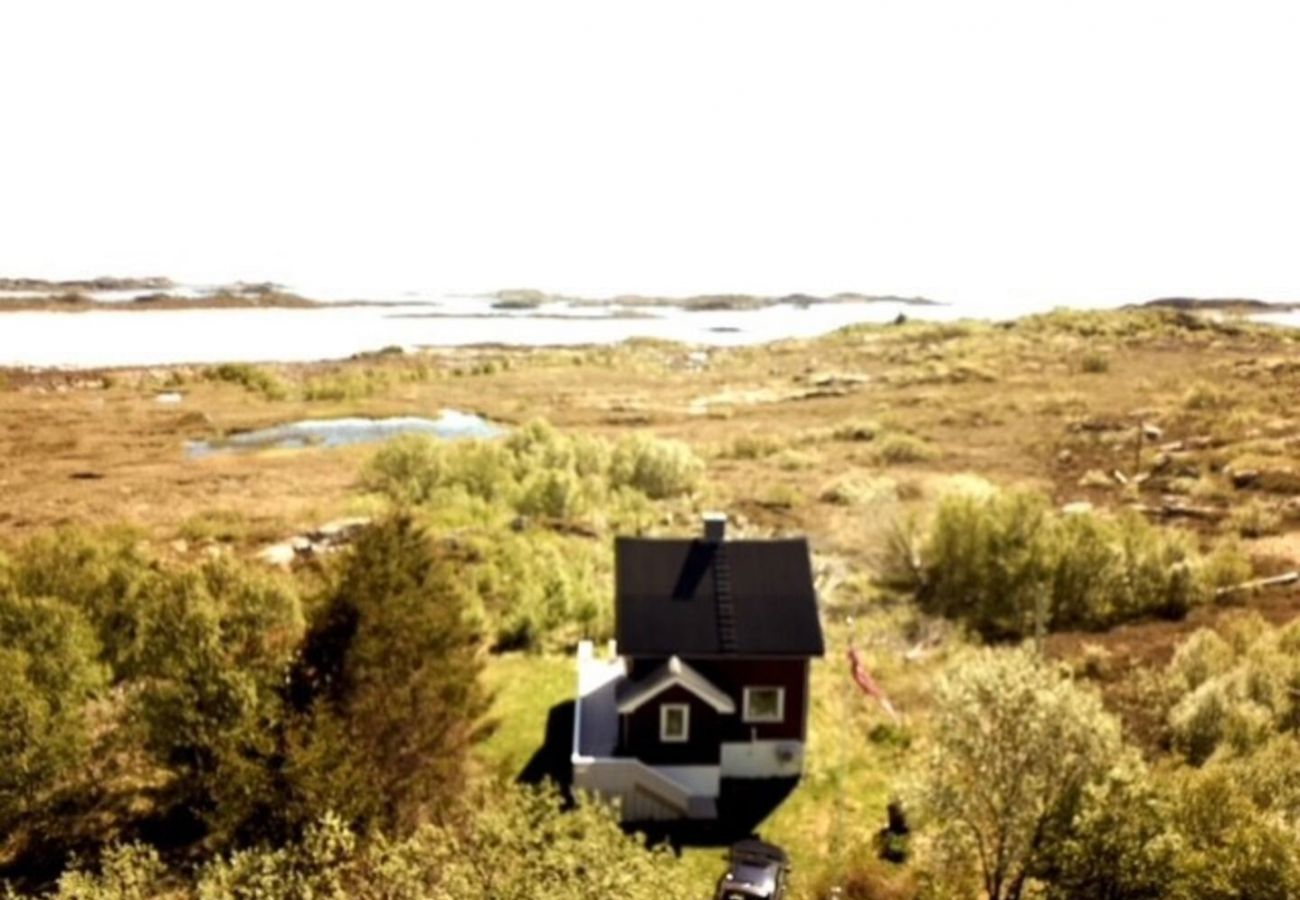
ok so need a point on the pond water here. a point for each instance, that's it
(449, 425)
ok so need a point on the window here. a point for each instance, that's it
(674, 723)
(764, 704)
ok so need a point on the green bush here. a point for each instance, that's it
(207, 696)
(250, 377)
(540, 590)
(516, 844)
(1254, 519)
(537, 470)
(753, 446)
(1204, 396)
(856, 430)
(1238, 827)
(1094, 363)
(49, 670)
(899, 449)
(656, 468)
(1234, 693)
(106, 575)
(1004, 562)
(1228, 830)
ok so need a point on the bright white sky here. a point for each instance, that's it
(994, 152)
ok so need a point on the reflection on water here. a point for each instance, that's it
(450, 424)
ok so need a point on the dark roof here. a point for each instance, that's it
(672, 596)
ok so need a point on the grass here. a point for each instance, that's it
(829, 822)
(524, 687)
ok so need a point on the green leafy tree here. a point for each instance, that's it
(49, 671)
(1016, 744)
(513, 844)
(208, 701)
(105, 575)
(386, 687)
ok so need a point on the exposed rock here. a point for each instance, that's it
(339, 531)
(1095, 478)
(1242, 478)
(281, 555)
(837, 379)
(325, 539)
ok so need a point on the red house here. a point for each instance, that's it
(706, 682)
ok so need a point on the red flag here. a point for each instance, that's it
(867, 684)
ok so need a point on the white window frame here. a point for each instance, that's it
(664, 736)
(749, 715)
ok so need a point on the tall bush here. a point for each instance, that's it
(385, 692)
(1006, 562)
(1015, 747)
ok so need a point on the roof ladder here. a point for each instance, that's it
(722, 593)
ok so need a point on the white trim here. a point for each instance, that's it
(664, 710)
(701, 781)
(761, 759)
(679, 674)
(780, 704)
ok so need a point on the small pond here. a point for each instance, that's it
(449, 425)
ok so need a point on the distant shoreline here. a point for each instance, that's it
(530, 298)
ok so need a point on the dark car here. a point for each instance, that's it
(755, 869)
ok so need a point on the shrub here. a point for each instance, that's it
(49, 670)
(206, 700)
(536, 470)
(753, 446)
(856, 430)
(1094, 363)
(1204, 396)
(1237, 825)
(780, 495)
(1007, 562)
(656, 468)
(556, 493)
(850, 491)
(1254, 519)
(249, 377)
(899, 449)
(1120, 844)
(539, 590)
(1233, 693)
(515, 844)
(103, 574)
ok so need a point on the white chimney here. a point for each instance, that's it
(715, 527)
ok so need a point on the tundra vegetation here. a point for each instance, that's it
(1039, 535)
